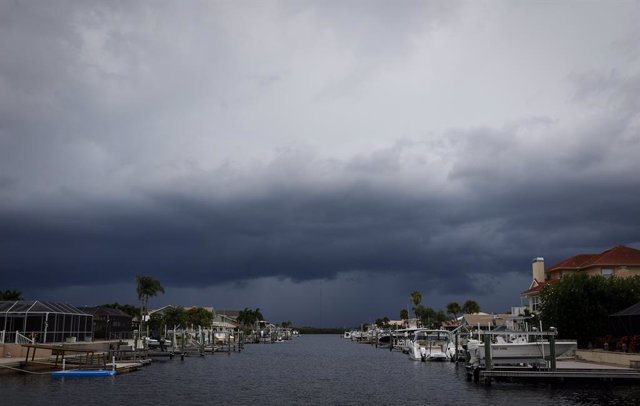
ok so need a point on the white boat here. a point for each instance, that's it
(431, 345)
(153, 343)
(518, 351)
(357, 335)
(347, 335)
(402, 339)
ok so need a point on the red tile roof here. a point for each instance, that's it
(619, 255)
(538, 287)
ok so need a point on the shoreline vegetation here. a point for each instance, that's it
(320, 330)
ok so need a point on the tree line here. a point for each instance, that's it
(579, 305)
(427, 316)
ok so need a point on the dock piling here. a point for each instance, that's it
(552, 349)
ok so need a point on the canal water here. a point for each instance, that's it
(314, 369)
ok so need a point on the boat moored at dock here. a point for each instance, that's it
(431, 345)
(519, 350)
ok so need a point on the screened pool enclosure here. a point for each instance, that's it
(43, 322)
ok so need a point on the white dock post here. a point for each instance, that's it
(552, 347)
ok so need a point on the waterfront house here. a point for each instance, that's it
(223, 322)
(619, 261)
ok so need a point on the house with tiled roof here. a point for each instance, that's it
(619, 261)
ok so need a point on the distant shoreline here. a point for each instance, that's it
(320, 330)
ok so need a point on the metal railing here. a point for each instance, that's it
(21, 339)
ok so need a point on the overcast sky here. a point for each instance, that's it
(319, 160)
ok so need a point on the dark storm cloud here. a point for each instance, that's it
(302, 232)
(218, 144)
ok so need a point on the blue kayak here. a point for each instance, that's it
(83, 373)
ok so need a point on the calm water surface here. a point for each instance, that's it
(307, 370)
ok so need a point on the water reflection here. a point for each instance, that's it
(308, 370)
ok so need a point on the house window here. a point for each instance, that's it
(607, 272)
(535, 303)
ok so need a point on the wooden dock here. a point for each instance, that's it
(82, 358)
(125, 367)
(566, 371)
(58, 357)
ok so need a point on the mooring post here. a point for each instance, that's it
(391, 338)
(456, 351)
(173, 340)
(184, 337)
(552, 347)
(488, 366)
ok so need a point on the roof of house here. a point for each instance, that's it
(229, 313)
(538, 286)
(104, 311)
(615, 256)
(450, 323)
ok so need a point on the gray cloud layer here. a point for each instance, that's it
(212, 143)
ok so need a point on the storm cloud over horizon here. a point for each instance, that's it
(297, 156)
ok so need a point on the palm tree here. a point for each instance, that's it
(258, 315)
(416, 299)
(471, 306)
(11, 294)
(249, 318)
(404, 314)
(147, 287)
(454, 308)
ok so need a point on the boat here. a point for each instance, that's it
(153, 343)
(401, 339)
(384, 338)
(518, 350)
(83, 373)
(347, 335)
(431, 345)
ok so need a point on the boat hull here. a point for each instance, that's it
(509, 353)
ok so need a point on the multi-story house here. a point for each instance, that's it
(619, 261)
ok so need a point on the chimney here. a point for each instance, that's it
(538, 268)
